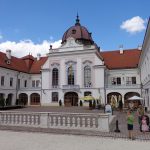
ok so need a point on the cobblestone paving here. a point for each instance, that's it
(120, 116)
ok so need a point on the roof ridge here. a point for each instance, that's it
(119, 50)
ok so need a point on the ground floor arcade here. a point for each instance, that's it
(68, 98)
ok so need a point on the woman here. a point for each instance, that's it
(144, 124)
(130, 121)
(140, 113)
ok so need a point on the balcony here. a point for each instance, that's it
(123, 86)
(71, 88)
(29, 88)
(55, 86)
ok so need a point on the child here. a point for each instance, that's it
(130, 121)
(144, 126)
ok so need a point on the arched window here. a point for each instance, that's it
(87, 76)
(70, 75)
(55, 77)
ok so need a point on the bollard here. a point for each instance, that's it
(117, 127)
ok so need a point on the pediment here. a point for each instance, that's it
(70, 43)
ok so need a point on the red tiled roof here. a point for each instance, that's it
(15, 63)
(28, 57)
(115, 60)
(112, 59)
(37, 64)
(19, 64)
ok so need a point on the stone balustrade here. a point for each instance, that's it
(83, 121)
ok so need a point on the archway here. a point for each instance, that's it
(128, 95)
(116, 95)
(35, 99)
(71, 99)
(23, 98)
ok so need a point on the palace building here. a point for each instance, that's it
(76, 69)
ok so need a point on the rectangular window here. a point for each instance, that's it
(25, 83)
(11, 82)
(133, 80)
(54, 96)
(113, 81)
(2, 80)
(116, 80)
(130, 80)
(33, 83)
(37, 83)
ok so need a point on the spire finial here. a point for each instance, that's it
(77, 20)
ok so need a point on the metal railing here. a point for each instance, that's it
(70, 87)
(123, 86)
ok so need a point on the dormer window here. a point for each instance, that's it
(7, 61)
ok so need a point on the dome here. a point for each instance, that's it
(79, 33)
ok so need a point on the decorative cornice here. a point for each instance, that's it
(70, 62)
(55, 64)
(87, 61)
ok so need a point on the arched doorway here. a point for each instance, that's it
(35, 99)
(128, 95)
(23, 99)
(114, 96)
(9, 100)
(71, 99)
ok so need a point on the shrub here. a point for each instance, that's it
(2, 102)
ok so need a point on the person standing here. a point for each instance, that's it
(131, 105)
(130, 121)
(144, 125)
(120, 105)
(140, 113)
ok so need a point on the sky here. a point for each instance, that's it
(30, 26)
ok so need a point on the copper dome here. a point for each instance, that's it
(79, 33)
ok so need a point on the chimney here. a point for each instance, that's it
(8, 53)
(139, 47)
(50, 49)
(38, 56)
(121, 49)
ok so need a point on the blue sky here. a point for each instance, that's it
(39, 21)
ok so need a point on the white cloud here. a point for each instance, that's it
(134, 25)
(23, 48)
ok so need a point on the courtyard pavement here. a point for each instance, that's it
(38, 141)
(120, 116)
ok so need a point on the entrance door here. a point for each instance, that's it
(35, 99)
(71, 99)
(23, 97)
